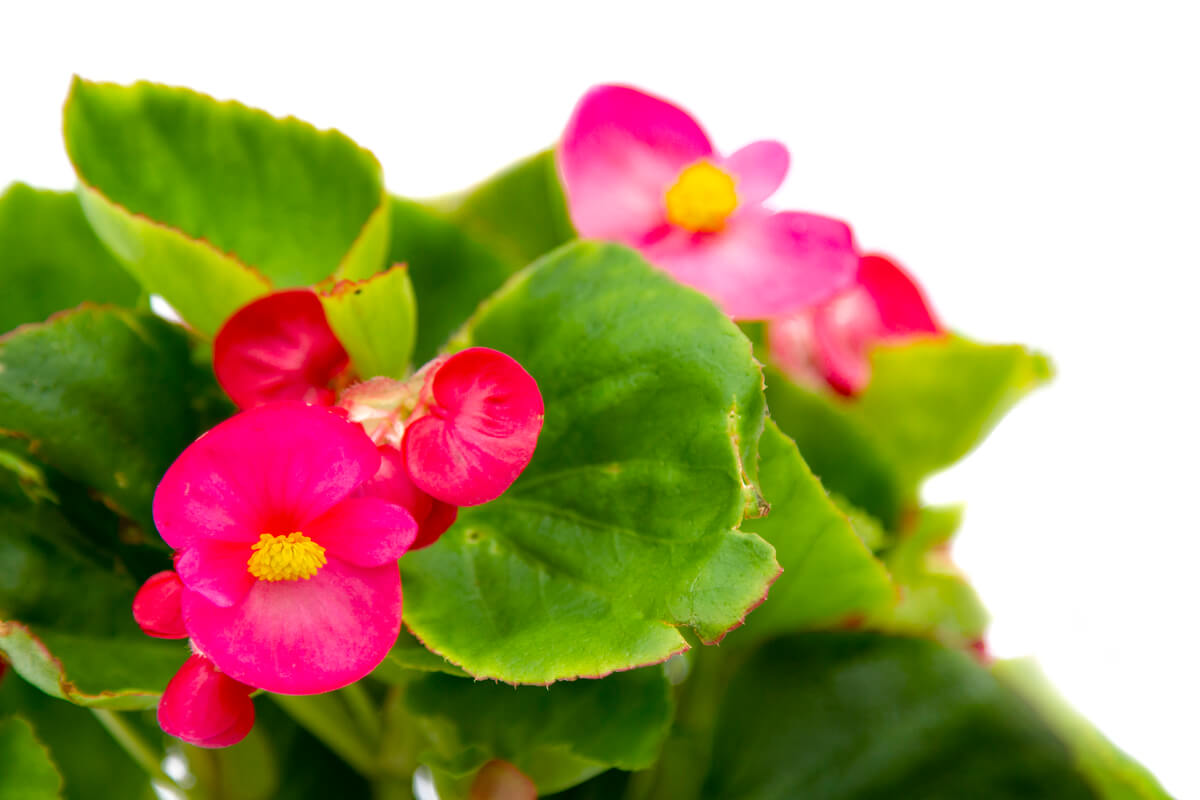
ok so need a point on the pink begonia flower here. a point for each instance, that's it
(157, 609)
(290, 582)
(279, 347)
(205, 707)
(393, 483)
(641, 171)
(831, 343)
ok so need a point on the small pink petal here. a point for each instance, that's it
(268, 470)
(621, 151)
(392, 483)
(366, 531)
(303, 636)
(762, 265)
(205, 707)
(218, 570)
(279, 347)
(758, 170)
(793, 346)
(901, 305)
(156, 606)
(844, 330)
(478, 431)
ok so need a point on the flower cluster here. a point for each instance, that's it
(287, 520)
(641, 171)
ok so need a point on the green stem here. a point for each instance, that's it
(325, 716)
(363, 710)
(137, 748)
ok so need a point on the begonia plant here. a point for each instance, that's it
(600, 479)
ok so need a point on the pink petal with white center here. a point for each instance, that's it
(205, 707)
(758, 169)
(762, 265)
(366, 531)
(279, 347)
(156, 606)
(392, 483)
(268, 470)
(218, 570)
(902, 307)
(302, 636)
(621, 151)
(478, 431)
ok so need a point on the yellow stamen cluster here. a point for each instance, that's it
(702, 199)
(285, 558)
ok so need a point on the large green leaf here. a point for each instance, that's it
(851, 716)
(559, 736)
(829, 574)
(51, 260)
(210, 204)
(105, 396)
(28, 773)
(929, 402)
(621, 528)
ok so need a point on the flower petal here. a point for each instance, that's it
(367, 531)
(762, 265)
(758, 169)
(218, 570)
(156, 606)
(268, 470)
(793, 347)
(392, 483)
(902, 306)
(304, 636)
(843, 331)
(621, 151)
(479, 431)
(279, 347)
(205, 707)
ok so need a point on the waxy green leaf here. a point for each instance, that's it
(558, 736)
(850, 716)
(622, 527)
(375, 319)
(211, 204)
(928, 404)
(28, 773)
(51, 260)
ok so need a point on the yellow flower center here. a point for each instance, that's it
(285, 558)
(702, 199)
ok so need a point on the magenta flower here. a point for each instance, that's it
(392, 483)
(157, 606)
(205, 707)
(641, 171)
(290, 583)
(831, 343)
(279, 347)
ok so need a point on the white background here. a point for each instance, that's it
(1035, 164)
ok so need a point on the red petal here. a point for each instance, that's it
(902, 306)
(205, 707)
(156, 606)
(392, 483)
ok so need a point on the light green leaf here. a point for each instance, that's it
(51, 260)
(375, 320)
(929, 402)
(559, 736)
(28, 772)
(829, 574)
(851, 716)
(211, 204)
(621, 528)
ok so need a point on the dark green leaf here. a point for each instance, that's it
(622, 526)
(28, 772)
(50, 260)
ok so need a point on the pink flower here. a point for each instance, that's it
(290, 583)
(279, 347)
(830, 343)
(641, 171)
(393, 484)
(157, 609)
(205, 707)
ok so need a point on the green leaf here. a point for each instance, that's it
(853, 715)
(829, 574)
(104, 395)
(1112, 773)
(375, 320)
(928, 404)
(28, 773)
(211, 204)
(51, 260)
(451, 272)
(559, 736)
(621, 528)
(520, 213)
